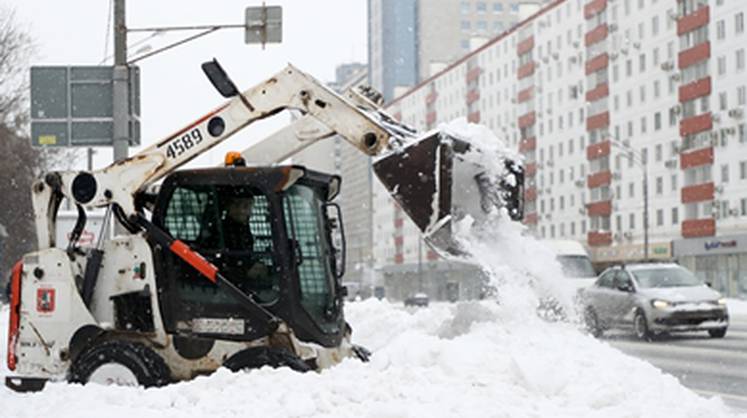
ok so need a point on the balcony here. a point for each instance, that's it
(696, 124)
(694, 55)
(698, 193)
(601, 178)
(694, 228)
(530, 169)
(599, 92)
(431, 98)
(528, 144)
(597, 63)
(525, 46)
(474, 117)
(430, 118)
(696, 158)
(603, 208)
(530, 195)
(399, 258)
(432, 255)
(693, 21)
(601, 120)
(527, 120)
(596, 35)
(695, 90)
(599, 239)
(525, 95)
(525, 70)
(473, 74)
(598, 150)
(473, 96)
(594, 7)
(531, 219)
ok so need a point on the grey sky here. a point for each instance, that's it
(317, 36)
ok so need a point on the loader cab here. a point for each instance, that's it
(270, 232)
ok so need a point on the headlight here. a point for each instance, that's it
(660, 304)
(722, 301)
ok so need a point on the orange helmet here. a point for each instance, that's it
(234, 159)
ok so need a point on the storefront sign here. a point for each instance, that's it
(630, 252)
(711, 245)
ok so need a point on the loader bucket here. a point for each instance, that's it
(438, 181)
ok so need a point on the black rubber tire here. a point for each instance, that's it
(257, 357)
(640, 327)
(591, 321)
(717, 333)
(147, 366)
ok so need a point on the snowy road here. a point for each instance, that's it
(711, 367)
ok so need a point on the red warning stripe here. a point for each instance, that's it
(195, 260)
(15, 310)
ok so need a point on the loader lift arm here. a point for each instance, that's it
(435, 162)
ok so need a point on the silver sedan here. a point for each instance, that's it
(653, 298)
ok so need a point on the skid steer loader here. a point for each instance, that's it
(231, 267)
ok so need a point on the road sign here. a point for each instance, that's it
(264, 24)
(72, 106)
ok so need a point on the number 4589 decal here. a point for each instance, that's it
(183, 143)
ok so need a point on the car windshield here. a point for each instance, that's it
(665, 277)
(576, 266)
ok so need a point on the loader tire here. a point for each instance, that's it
(120, 363)
(257, 357)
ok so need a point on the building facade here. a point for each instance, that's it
(613, 104)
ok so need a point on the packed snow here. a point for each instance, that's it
(490, 358)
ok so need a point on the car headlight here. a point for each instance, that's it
(722, 301)
(660, 304)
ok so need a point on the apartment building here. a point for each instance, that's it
(613, 104)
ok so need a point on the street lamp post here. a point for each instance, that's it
(643, 163)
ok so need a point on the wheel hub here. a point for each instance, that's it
(113, 374)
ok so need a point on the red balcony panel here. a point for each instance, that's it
(597, 34)
(530, 194)
(399, 258)
(528, 144)
(698, 193)
(430, 118)
(599, 208)
(525, 70)
(431, 256)
(597, 63)
(599, 239)
(696, 158)
(598, 150)
(594, 7)
(431, 97)
(473, 96)
(598, 121)
(530, 169)
(599, 92)
(473, 74)
(525, 95)
(693, 21)
(694, 55)
(696, 124)
(695, 89)
(527, 120)
(398, 222)
(531, 218)
(599, 179)
(525, 46)
(473, 117)
(694, 228)
(399, 240)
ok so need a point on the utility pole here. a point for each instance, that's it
(645, 210)
(120, 85)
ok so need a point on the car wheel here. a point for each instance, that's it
(257, 357)
(591, 320)
(640, 327)
(717, 333)
(121, 363)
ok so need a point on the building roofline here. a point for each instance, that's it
(489, 43)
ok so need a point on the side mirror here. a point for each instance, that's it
(624, 287)
(219, 79)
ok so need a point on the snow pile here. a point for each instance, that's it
(493, 358)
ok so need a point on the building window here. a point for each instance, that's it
(657, 121)
(631, 190)
(643, 125)
(631, 221)
(725, 173)
(629, 68)
(740, 59)
(722, 101)
(658, 152)
(720, 30)
(481, 7)
(642, 62)
(743, 170)
(659, 217)
(655, 26)
(464, 7)
(674, 182)
(657, 89)
(741, 96)
(675, 216)
(739, 22)
(482, 25)
(497, 7)
(466, 25)
(659, 185)
(721, 65)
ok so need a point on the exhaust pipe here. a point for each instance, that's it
(438, 181)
